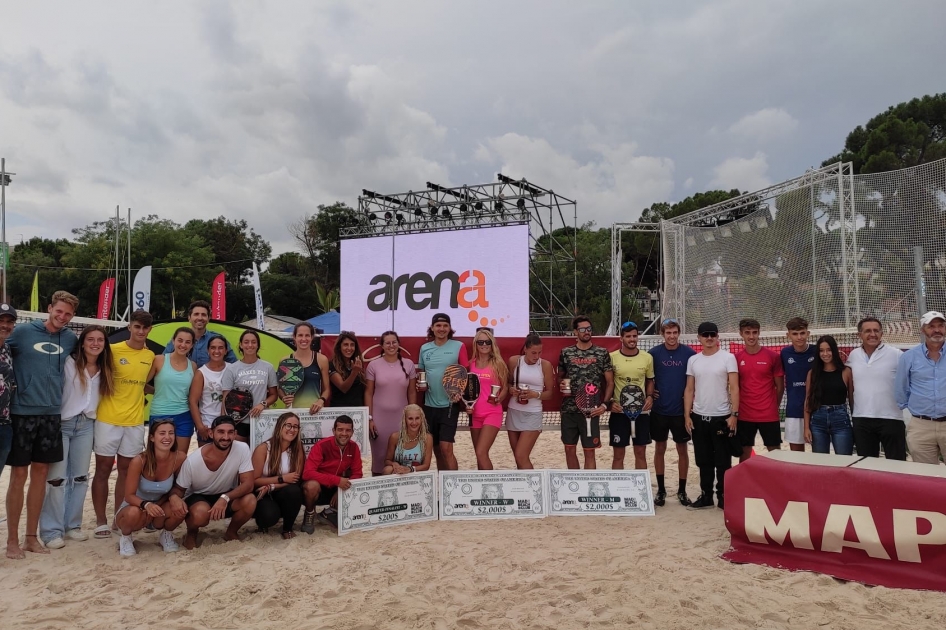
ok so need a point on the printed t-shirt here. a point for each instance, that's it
(130, 368)
(256, 378)
(582, 367)
(670, 378)
(711, 380)
(434, 360)
(757, 374)
(796, 366)
(196, 478)
(633, 370)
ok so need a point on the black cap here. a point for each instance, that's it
(707, 327)
(6, 309)
(440, 317)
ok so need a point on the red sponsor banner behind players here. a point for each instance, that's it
(106, 295)
(869, 526)
(218, 298)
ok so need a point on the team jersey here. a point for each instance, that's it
(670, 378)
(130, 368)
(582, 367)
(633, 370)
(757, 374)
(796, 366)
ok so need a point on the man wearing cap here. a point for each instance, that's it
(7, 384)
(876, 417)
(440, 351)
(711, 412)
(921, 388)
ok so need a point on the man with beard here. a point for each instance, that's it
(216, 482)
(440, 351)
(198, 314)
(583, 364)
(921, 388)
(330, 466)
(631, 367)
(876, 417)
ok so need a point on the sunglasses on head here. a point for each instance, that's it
(669, 320)
(628, 326)
(486, 328)
(709, 335)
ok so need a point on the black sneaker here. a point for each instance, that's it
(705, 501)
(684, 499)
(661, 499)
(719, 502)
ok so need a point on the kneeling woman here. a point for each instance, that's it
(148, 485)
(278, 463)
(410, 449)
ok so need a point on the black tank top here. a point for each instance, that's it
(833, 389)
(311, 385)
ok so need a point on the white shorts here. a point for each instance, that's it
(110, 440)
(795, 430)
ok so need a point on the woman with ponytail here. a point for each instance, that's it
(389, 387)
(531, 381)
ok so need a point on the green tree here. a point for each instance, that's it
(232, 241)
(318, 238)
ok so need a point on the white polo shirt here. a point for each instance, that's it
(875, 380)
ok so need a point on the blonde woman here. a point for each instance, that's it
(487, 415)
(411, 449)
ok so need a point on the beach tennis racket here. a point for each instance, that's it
(454, 381)
(238, 403)
(632, 403)
(587, 398)
(471, 392)
(290, 375)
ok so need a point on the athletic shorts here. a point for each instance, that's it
(110, 440)
(35, 439)
(619, 426)
(183, 423)
(770, 431)
(491, 419)
(209, 499)
(442, 423)
(325, 495)
(662, 426)
(574, 427)
(795, 430)
(519, 420)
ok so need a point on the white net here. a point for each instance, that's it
(829, 247)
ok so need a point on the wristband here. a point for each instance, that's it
(412, 468)
(143, 506)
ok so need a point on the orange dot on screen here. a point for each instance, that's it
(502, 319)
(472, 315)
(483, 321)
(493, 323)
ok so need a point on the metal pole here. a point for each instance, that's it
(128, 279)
(115, 301)
(3, 223)
(920, 284)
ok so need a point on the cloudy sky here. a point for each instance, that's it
(263, 110)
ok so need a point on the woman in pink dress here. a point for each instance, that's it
(389, 387)
(487, 416)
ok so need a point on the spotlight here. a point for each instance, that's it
(499, 206)
(388, 215)
(463, 208)
(400, 218)
(521, 204)
(445, 213)
(433, 211)
(418, 212)
(478, 206)
(372, 216)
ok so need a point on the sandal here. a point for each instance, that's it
(103, 531)
(288, 535)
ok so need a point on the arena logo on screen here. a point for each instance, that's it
(422, 291)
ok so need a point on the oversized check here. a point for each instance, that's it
(388, 500)
(313, 427)
(492, 494)
(600, 492)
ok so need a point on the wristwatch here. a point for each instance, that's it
(279, 479)
(225, 498)
(735, 415)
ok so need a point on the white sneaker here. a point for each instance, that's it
(56, 543)
(77, 534)
(167, 542)
(126, 546)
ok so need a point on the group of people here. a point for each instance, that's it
(64, 398)
(722, 401)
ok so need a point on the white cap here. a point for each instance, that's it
(930, 316)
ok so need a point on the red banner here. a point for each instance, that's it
(870, 526)
(218, 298)
(106, 295)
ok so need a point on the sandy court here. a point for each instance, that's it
(662, 572)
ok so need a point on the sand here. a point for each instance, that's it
(661, 572)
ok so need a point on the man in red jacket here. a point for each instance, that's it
(331, 463)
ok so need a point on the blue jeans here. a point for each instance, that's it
(62, 509)
(6, 443)
(830, 425)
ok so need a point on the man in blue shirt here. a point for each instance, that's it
(921, 388)
(670, 379)
(198, 314)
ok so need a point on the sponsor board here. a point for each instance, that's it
(387, 501)
(313, 427)
(600, 493)
(475, 495)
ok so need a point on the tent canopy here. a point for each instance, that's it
(328, 323)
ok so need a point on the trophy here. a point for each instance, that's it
(566, 387)
(494, 393)
(523, 394)
(421, 381)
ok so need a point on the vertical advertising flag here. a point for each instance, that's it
(258, 293)
(106, 294)
(141, 292)
(34, 294)
(218, 297)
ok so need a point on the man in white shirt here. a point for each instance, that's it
(216, 482)
(711, 411)
(877, 418)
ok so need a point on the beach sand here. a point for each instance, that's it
(662, 572)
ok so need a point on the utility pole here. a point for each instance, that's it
(5, 261)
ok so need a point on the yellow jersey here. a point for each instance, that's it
(130, 370)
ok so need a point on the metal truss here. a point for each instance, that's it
(552, 221)
(617, 257)
(849, 252)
